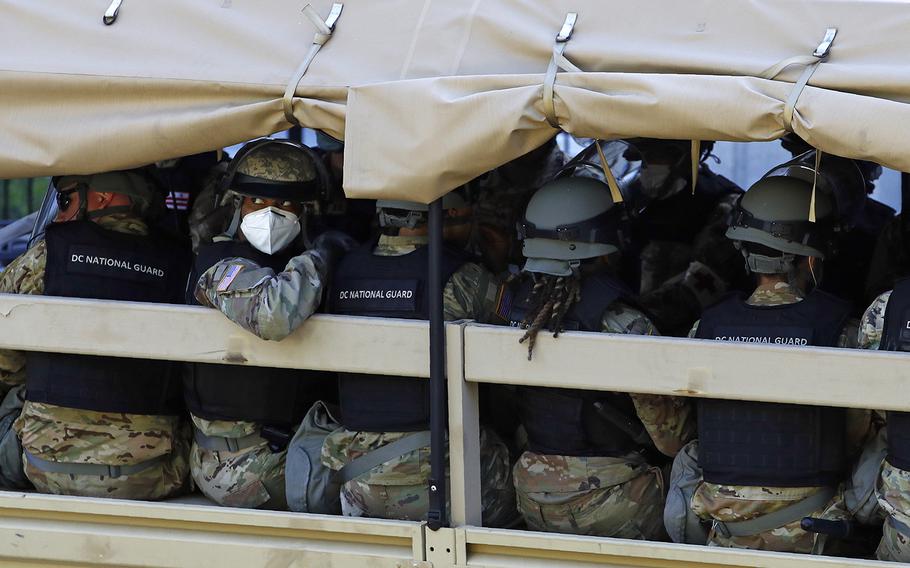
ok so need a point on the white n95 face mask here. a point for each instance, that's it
(271, 229)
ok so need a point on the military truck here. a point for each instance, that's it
(427, 96)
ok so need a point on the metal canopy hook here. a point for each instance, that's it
(334, 14)
(824, 48)
(567, 27)
(110, 15)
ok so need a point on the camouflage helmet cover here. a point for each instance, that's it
(147, 198)
(275, 169)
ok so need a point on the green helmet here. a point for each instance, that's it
(409, 214)
(566, 221)
(774, 213)
(275, 169)
(146, 197)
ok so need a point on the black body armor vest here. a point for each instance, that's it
(571, 422)
(85, 260)
(896, 337)
(366, 284)
(770, 444)
(278, 397)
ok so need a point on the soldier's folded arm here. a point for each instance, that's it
(669, 420)
(268, 305)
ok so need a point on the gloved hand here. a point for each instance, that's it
(332, 246)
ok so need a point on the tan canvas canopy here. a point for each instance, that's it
(431, 94)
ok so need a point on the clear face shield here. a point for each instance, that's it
(840, 178)
(637, 179)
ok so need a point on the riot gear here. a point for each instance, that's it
(566, 221)
(774, 214)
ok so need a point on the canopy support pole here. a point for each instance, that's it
(905, 200)
(437, 516)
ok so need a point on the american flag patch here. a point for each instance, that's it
(504, 303)
(229, 275)
(178, 200)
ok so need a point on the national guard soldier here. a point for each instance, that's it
(676, 236)
(103, 426)
(767, 465)
(381, 452)
(886, 326)
(593, 460)
(258, 273)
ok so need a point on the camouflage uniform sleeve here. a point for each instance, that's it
(268, 305)
(470, 294)
(25, 275)
(669, 420)
(872, 324)
(848, 335)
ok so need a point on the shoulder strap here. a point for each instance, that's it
(381, 455)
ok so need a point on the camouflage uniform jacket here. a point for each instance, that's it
(894, 483)
(669, 420)
(268, 305)
(70, 435)
(731, 503)
(470, 293)
(271, 306)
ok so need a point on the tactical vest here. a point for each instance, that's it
(278, 397)
(896, 337)
(572, 422)
(366, 284)
(770, 444)
(85, 260)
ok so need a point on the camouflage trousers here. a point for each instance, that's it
(398, 489)
(250, 478)
(729, 503)
(894, 497)
(598, 496)
(165, 479)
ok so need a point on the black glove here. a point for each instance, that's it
(332, 245)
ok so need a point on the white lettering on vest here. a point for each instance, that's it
(764, 339)
(117, 263)
(395, 294)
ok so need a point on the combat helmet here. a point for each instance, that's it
(273, 169)
(146, 197)
(568, 220)
(774, 214)
(843, 179)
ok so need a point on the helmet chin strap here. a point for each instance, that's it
(761, 264)
(231, 231)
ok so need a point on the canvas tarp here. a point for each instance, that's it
(430, 93)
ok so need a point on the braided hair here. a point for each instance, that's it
(549, 301)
